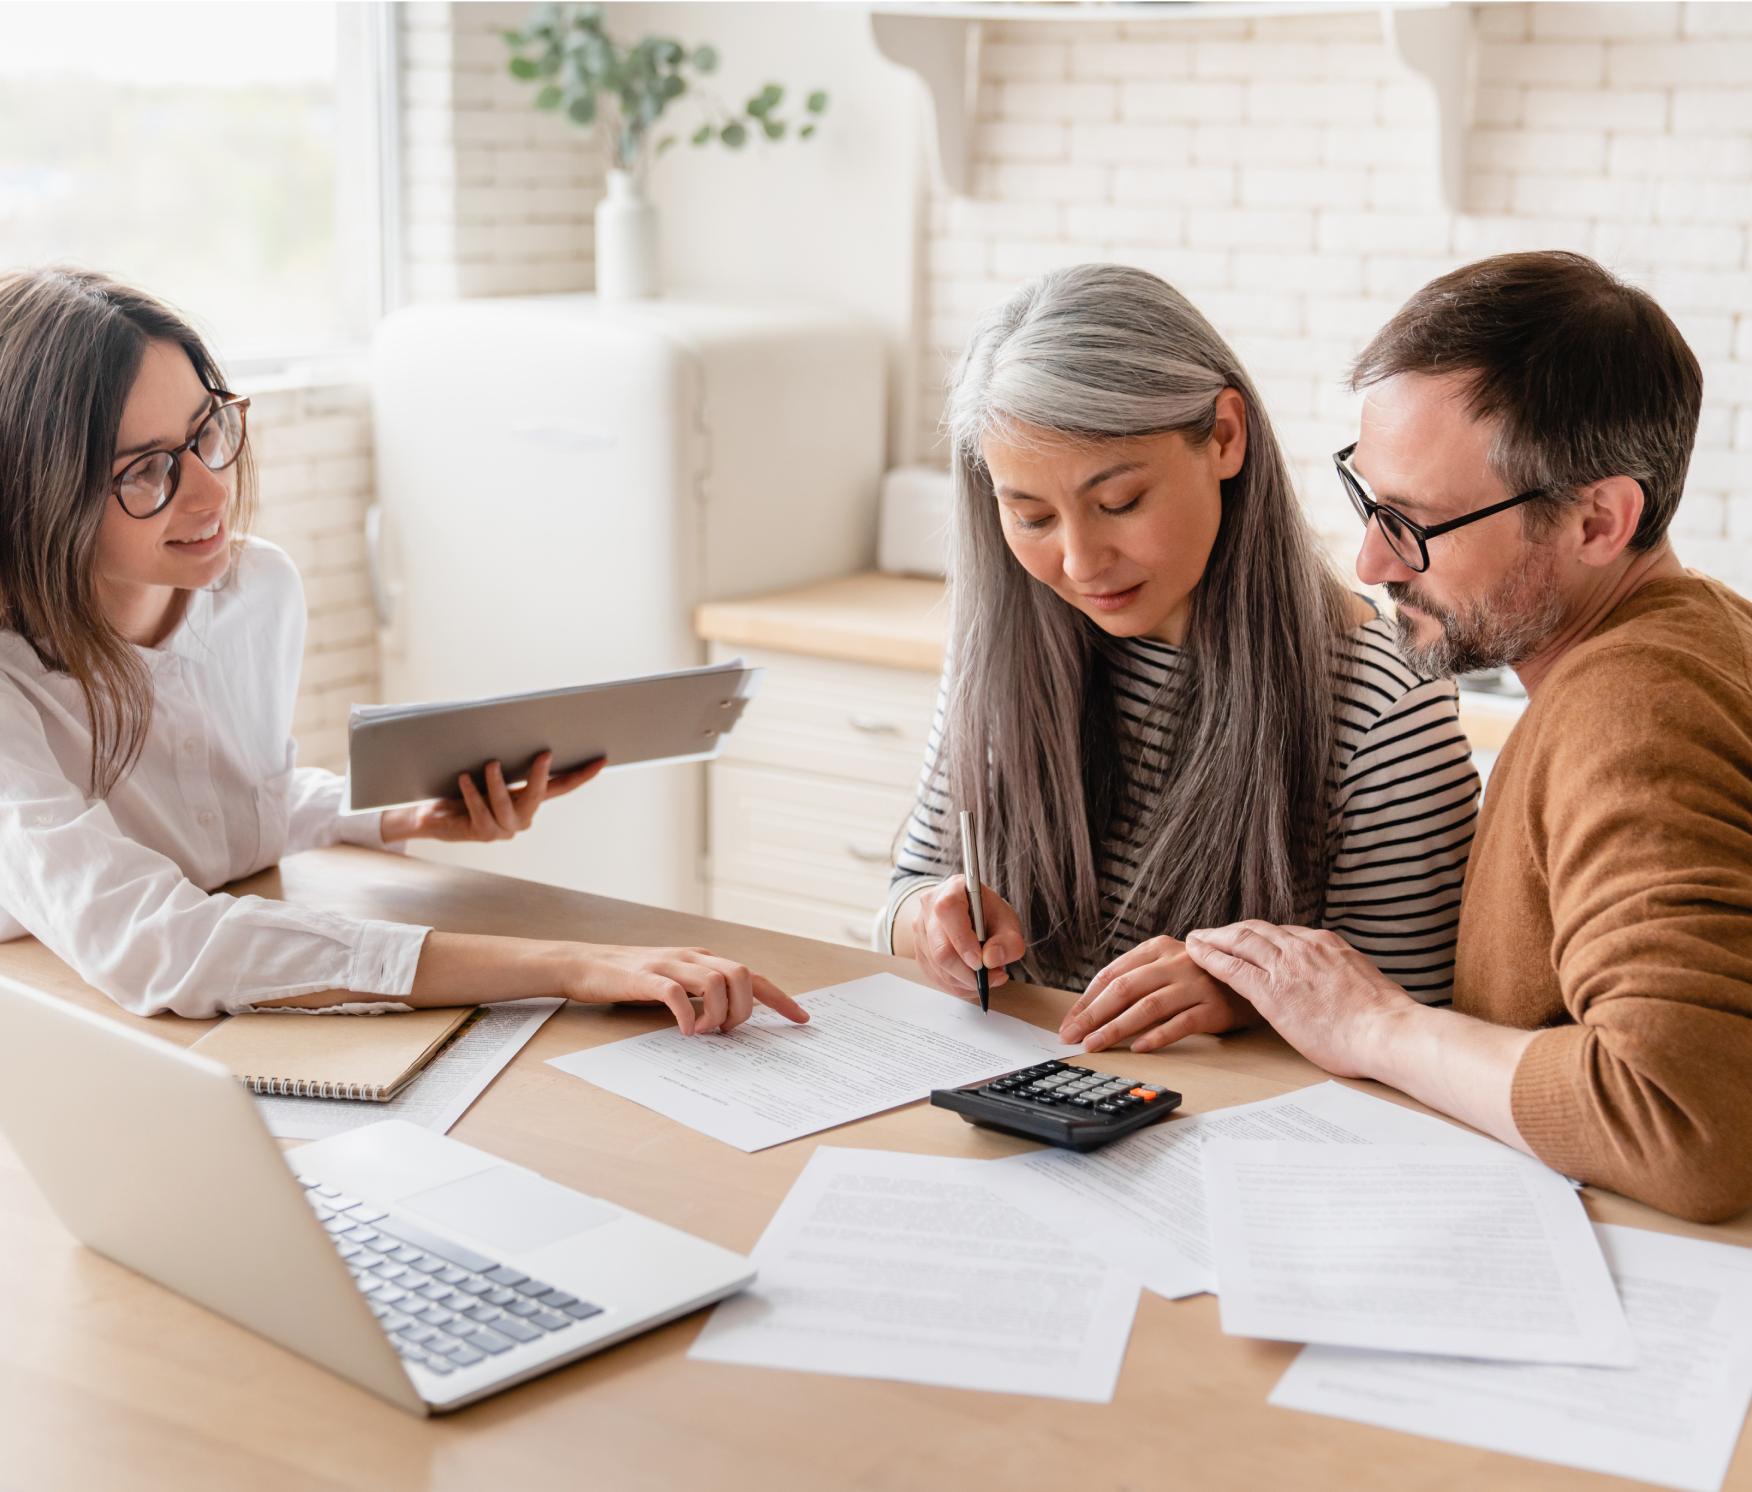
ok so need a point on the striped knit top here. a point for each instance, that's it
(1404, 802)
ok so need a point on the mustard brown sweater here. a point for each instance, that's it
(1608, 904)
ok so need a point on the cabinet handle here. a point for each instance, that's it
(870, 725)
(867, 855)
(382, 597)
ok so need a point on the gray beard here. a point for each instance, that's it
(1499, 631)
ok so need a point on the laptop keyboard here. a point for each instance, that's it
(444, 1306)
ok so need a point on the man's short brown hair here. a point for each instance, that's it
(1584, 376)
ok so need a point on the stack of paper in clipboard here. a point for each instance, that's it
(409, 753)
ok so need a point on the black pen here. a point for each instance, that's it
(975, 902)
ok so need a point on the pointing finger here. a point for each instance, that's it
(774, 998)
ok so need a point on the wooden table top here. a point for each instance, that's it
(894, 620)
(107, 1380)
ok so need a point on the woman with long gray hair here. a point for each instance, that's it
(1163, 706)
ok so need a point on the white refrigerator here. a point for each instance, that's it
(560, 483)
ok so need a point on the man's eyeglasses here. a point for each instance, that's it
(1408, 540)
(149, 482)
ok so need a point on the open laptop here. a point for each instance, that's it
(422, 1269)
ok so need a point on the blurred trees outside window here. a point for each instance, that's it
(188, 147)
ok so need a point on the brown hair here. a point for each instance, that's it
(1585, 377)
(71, 344)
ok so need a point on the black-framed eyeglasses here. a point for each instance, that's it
(149, 482)
(1408, 540)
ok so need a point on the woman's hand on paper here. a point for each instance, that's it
(455, 968)
(1152, 996)
(727, 991)
(943, 942)
(500, 813)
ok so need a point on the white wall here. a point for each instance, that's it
(1281, 172)
(834, 219)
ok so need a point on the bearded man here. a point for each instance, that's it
(1525, 433)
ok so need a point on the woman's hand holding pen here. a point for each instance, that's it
(1152, 996)
(500, 813)
(934, 926)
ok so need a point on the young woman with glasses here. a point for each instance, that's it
(149, 657)
(1163, 706)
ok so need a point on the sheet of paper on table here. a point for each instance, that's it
(439, 1096)
(869, 1045)
(1674, 1419)
(1445, 1250)
(879, 1265)
(1140, 1202)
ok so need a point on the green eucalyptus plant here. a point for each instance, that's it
(622, 93)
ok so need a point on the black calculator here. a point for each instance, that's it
(1064, 1105)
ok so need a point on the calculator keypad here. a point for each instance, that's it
(1060, 1085)
(1061, 1104)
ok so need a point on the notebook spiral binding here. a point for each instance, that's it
(305, 1088)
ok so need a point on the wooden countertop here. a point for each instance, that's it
(108, 1380)
(892, 620)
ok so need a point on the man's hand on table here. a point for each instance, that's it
(1322, 996)
(1342, 1013)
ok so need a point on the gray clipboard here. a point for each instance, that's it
(410, 753)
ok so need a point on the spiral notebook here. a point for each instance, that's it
(366, 1057)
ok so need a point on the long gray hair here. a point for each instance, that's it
(1033, 731)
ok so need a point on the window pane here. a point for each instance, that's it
(187, 147)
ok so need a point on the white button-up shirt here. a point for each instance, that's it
(123, 888)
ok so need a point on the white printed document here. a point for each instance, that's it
(879, 1265)
(1433, 1249)
(870, 1045)
(1674, 1419)
(1140, 1202)
(435, 1099)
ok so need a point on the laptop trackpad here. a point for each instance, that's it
(514, 1211)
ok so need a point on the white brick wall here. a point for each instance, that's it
(498, 197)
(1281, 172)
(312, 447)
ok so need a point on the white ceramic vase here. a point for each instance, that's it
(626, 241)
